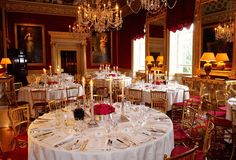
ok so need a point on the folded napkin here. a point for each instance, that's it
(232, 100)
(47, 116)
(96, 144)
(57, 139)
(42, 127)
(137, 138)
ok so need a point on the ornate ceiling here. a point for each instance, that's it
(53, 7)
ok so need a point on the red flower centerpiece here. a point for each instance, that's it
(103, 109)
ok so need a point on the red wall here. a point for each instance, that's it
(51, 23)
(121, 40)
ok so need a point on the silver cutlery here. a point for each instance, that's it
(64, 142)
(74, 145)
(123, 142)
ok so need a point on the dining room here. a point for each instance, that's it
(115, 80)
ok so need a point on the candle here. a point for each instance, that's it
(116, 68)
(146, 75)
(69, 28)
(166, 73)
(83, 85)
(110, 87)
(122, 88)
(154, 76)
(91, 90)
(50, 70)
(44, 71)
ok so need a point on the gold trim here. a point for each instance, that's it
(43, 41)
(40, 8)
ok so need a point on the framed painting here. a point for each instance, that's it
(100, 48)
(30, 39)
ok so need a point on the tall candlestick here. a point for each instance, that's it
(146, 75)
(154, 73)
(110, 88)
(83, 85)
(123, 97)
(91, 90)
(116, 68)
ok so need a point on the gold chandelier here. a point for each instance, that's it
(100, 17)
(152, 6)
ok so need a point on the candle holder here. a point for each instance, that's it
(92, 120)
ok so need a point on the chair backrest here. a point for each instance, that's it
(11, 98)
(55, 104)
(20, 117)
(188, 155)
(57, 94)
(207, 139)
(38, 95)
(159, 104)
(72, 93)
(17, 86)
(233, 125)
(135, 95)
(158, 94)
(221, 97)
(99, 83)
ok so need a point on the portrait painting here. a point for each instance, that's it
(100, 48)
(30, 39)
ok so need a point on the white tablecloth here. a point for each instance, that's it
(127, 80)
(157, 142)
(230, 103)
(174, 92)
(52, 93)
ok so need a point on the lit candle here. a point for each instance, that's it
(50, 70)
(122, 88)
(110, 87)
(166, 73)
(154, 73)
(116, 68)
(83, 85)
(69, 28)
(44, 71)
(91, 90)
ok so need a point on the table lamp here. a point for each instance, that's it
(208, 57)
(149, 60)
(5, 61)
(160, 61)
(221, 58)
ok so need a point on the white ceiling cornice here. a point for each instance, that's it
(40, 8)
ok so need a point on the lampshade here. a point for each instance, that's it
(160, 58)
(149, 59)
(5, 61)
(222, 57)
(208, 57)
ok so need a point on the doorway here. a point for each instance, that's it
(69, 62)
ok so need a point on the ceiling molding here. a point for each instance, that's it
(40, 8)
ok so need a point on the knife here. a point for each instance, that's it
(123, 142)
(64, 142)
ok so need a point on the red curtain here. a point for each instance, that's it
(181, 15)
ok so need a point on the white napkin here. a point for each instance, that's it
(57, 139)
(137, 138)
(95, 144)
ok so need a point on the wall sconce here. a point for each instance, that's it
(160, 60)
(5, 61)
(221, 58)
(149, 60)
(208, 57)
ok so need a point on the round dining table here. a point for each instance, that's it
(138, 133)
(175, 92)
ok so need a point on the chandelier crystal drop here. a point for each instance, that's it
(101, 17)
(152, 6)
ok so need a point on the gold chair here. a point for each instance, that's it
(12, 99)
(135, 96)
(72, 93)
(221, 99)
(17, 86)
(233, 133)
(20, 119)
(39, 99)
(187, 155)
(159, 100)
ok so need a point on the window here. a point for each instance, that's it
(138, 54)
(181, 48)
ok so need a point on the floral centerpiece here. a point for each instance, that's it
(103, 109)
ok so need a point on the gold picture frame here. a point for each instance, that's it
(101, 48)
(31, 39)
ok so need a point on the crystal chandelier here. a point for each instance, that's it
(101, 17)
(152, 6)
(225, 31)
